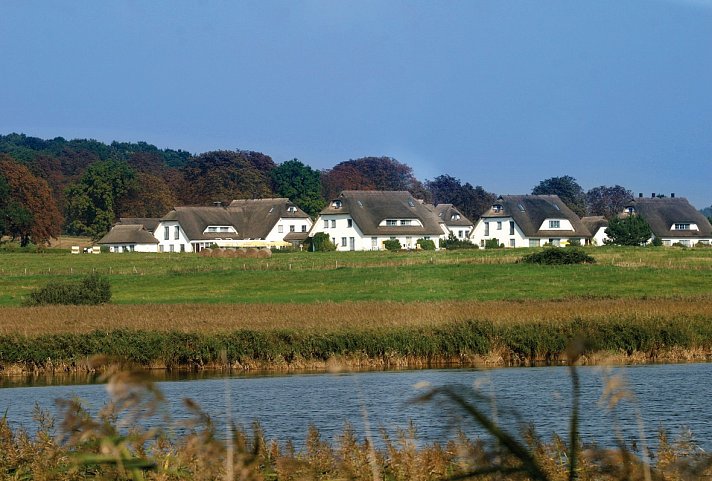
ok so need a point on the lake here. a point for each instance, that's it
(670, 396)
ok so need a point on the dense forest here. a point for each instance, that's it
(81, 187)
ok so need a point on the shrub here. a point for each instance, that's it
(426, 244)
(657, 242)
(392, 245)
(628, 231)
(91, 290)
(493, 244)
(574, 243)
(453, 243)
(554, 255)
(319, 243)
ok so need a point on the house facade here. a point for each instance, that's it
(364, 220)
(129, 238)
(672, 219)
(597, 226)
(529, 221)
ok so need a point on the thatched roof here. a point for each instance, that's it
(128, 234)
(530, 212)
(252, 219)
(662, 214)
(595, 222)
(369, 208)
(150, 223)
(451, 216)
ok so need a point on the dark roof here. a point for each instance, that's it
(150, 223)
(252, 219)
(662, 213)
(369, 208)
(593, 223)
(128, 234)
(530, 212)
(451, 216)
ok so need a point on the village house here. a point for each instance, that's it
(274, 222)
(597, 226)
(364, 220)
(131, 235)
(672, 219)
(454, 221)
(529, 221)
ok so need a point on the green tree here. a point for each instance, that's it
(93, 203)
(568, 190)
(472, 201)
(631, 230)
(299, 183)
(319, 243)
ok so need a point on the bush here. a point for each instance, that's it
(453, 243)
(91, 290)
(319, 243)
(392, 245)
(493, 244)
(628, 231)
(657, 242)
(574, 243)
(555, 255)
(426, 244)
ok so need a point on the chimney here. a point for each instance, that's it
(653, 195)
(640, 195)
(672, 195)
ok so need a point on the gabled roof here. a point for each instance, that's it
(369, 208)
(530, 212)
(150, 223)
(128, 234)
(593, 223)
(252, 219)
(662, 213)
(451, 216)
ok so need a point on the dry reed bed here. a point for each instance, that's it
(329, 316)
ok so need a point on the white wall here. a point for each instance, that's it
(132, 247)
(172, 244)
(503, 235)
(285, 224)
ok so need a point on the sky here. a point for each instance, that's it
(496, 93)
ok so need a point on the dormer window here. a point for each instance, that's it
(630, 210)
(336, 204)
(455, 217)
(411, 203)
(554, 224)
(497, 207)
(391, 222)
(291, 209)
(682, 226)
(405, 222)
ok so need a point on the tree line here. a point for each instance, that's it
(81, 187)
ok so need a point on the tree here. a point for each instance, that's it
(28, 209)
(371, 173)
(472, 201)
(568, 190)
(631, 230)
(225, 175)
(94, 202)
(607, 201)
(149, 196)
(299, 183)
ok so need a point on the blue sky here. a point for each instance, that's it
(497, 93)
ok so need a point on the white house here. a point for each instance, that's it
(529, 221)
(597, 226)
(244, 223)
(453, 221)
(672, 219)
(364, 220)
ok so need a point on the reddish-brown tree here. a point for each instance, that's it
(371, 173)
(33, 195)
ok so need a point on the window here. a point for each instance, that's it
(343, 242)
(292, 228)
(684, 226)
(280, 228)
(555, 242)
(212, 229)
(176, 234)
(333, 223)
(172, 248)
(374, 243)
(349, 223)
(482, 242)
(554, 224)
(486, 228)
(512, 243)
(182, 247)
(166, 233)
(304, 228)
(408, 241)
(533, 242)
(160, 248)
(511, 228)
(499, 225)
(391, 222)
(326, 223)
(405, 222)
(684, 242)
(455, 217)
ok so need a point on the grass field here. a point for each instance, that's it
(173, 309)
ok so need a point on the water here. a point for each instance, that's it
(674, 397)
